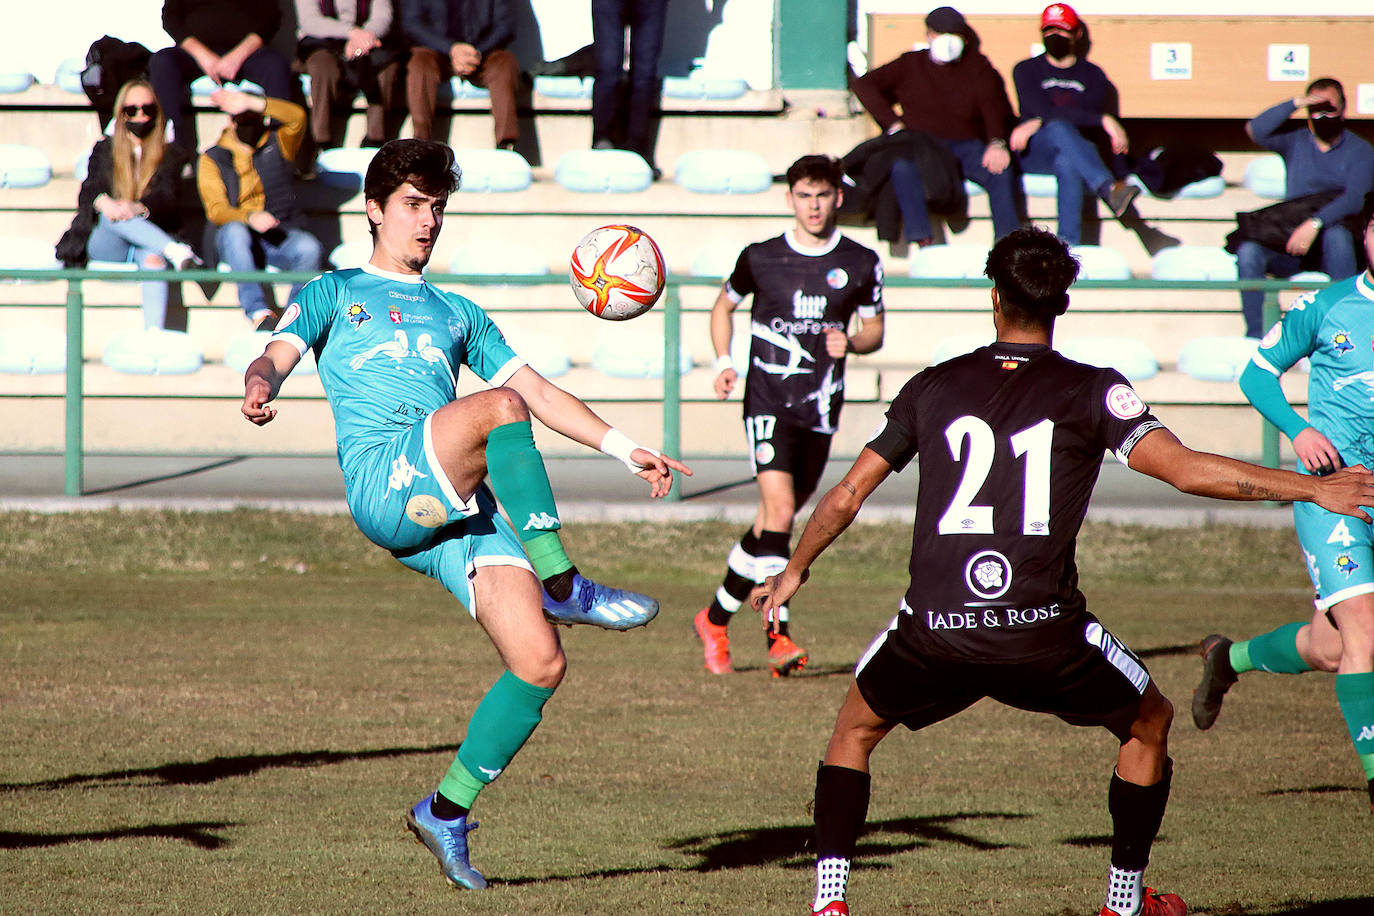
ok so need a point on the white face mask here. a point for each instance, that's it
(945, 49)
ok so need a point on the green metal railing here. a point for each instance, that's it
(74, 452)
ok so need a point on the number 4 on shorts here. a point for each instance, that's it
(1341, 535)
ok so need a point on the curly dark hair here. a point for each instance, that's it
(1032, 270)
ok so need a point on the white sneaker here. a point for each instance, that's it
(180, 256)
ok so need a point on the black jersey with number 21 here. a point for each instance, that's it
(1010, 440)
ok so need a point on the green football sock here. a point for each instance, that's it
(521, 483)
(1275, 652)
(500, 726)
(1355, 694)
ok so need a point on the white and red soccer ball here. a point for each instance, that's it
(617, 272)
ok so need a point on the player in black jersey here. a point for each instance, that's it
(1010, 439)
(807, 285)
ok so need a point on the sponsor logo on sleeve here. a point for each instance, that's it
(1123, 403)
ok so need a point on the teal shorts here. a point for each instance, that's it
(401, 499)
(1339, 551)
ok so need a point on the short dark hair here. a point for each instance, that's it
(825, 169)
(1327, 82)
(1032, 270)
(427, 164)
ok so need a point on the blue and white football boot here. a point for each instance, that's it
(448, 840)
(600, 606)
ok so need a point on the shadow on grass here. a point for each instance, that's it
(197, 833)
(1315, 790)
(1162, 651)
(216, 768)
(161, 478)
(1346, 906)
(789, 847)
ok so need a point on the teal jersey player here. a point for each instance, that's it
(1334, 329)
(417, 461)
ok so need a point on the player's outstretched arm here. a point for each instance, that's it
(263, 379)
(1162, 456)
(834, 513)
(567, 415)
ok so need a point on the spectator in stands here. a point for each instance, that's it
(951, 91)
(466, 38)
(224, 39)
(245, 185)
(127, 207)
(1068, 108)
(1329, 167)
(622, 116)
(344, 46)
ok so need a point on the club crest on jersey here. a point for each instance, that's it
(1340, 342)
(356, 314)
(837, 278)
(1123, 403)
(395, 314)
(988, 574)
(1346, 564)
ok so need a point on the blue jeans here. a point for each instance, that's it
(1333, 253)
(646, 19)
(911, 192)
(172, 70)
(1058, 148)
(139, 241)
(243, 249)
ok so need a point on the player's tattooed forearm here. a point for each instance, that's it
(850, 487)
(1247, 488)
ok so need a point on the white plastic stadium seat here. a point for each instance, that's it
(33, 350)
(1310, 276)
(564, 87)
(351, 254)
(23, 166)
(153, 352)
(11, 81)
(203, 86)
(493, 258)
(715, 260)
(629, 352)
(1267, 176)
(601, 171)
(948, 262)
(83, 166)
(958, 345)
(703, 88)
(462, 89)
(68, 75)
(128, 266)
(28, 254)
(492, 170)
(344, 168)
(247, 346)
(1098, 263)
(973, 189)
(1216, 359)
(1040, 185)
(546, 354)
(1126, 355)
(1193, 262)
(723, 171)
(1205, 189)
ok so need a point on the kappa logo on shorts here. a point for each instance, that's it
(541, 521)
(426, 511)
(1366, 733)
(490, 773)
(988, 574)
(403, 474)
(1313, 570)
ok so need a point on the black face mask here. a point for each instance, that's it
(250, 132)
(1058, 46)
(1327, 129)
(141, 129)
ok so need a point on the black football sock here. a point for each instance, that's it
(738, 581)
(559, 586)
(446, 810)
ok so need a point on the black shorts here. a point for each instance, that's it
(1092, 680)
(780, 446)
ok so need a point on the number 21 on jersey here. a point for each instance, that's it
(973, 444)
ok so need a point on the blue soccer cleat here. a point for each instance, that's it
(600, 606)
(448, 840)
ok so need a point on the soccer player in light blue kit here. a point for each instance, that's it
(389, 348)
(1334, 328)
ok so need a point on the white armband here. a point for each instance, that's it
(618, 445)
(724, 362)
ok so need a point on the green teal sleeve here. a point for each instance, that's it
(1263, 390)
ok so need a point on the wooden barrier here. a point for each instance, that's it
(1230, 57)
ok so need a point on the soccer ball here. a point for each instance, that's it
(616, 272)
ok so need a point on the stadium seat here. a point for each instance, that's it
(462, 89)
(68, 75)
(153, 352)
(32, 351)
(973, 189)
(715, 260)
(948, 262)
(82, 167)
(1040, 185)
(564, 87)
(1193, 262)
(958, 345)
(602, 171)
(493, 258)
(11, 82)
(1098, 263)
(492, 170)
(127, 266)
(1205, 189)
(247, 346)
(722, 171)
(28, 254)
(1126, 355)
(343, 168)
(1216, 359)
(203, 86)
(351, 254)
(703, 88)
(1310, 276)
(23, 166)
(546, 354)
(629, 352)
(1267, 176)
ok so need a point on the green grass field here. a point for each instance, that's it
(231, 713)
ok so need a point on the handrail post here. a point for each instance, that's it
(74, 446)
(1269, 434)
(672, 382)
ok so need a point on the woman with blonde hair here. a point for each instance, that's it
(128, 201)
